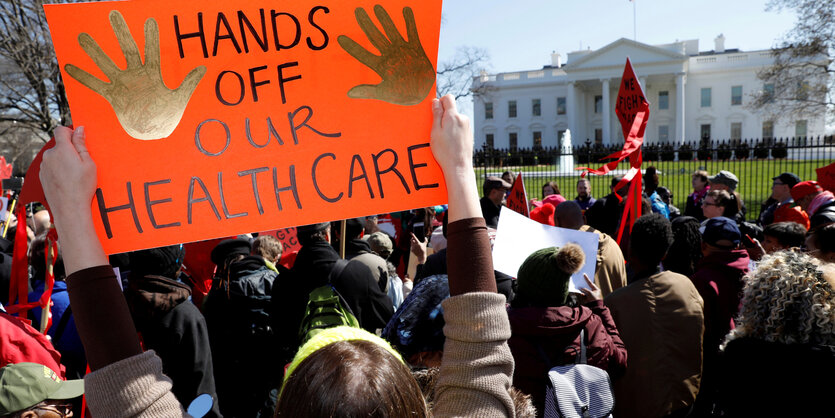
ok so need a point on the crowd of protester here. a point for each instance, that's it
(697, 312)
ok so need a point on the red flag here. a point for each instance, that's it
(517, 200)
(5, 169)
(632, 109)
(826, 177)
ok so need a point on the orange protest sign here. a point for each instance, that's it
(517, 199)
(210, 119)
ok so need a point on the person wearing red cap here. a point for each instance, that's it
(818, 203)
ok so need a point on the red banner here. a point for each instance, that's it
(517, 200)
(632, 109)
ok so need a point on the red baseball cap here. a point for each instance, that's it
(805, 188)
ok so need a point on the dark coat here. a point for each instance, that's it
(694, 208)
(490, 212)
(603, 214)
(556, 331)
(761, 379)
(825, 214)
(370, 305)
(173, 327)
(436, 264)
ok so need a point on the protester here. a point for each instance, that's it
(718, 278)
(660, 318)
(62, 333)
(694, 200)
(171, 325)
(41, 220)
(368, 302)
(610, 269)
(546, 322)
(727, 181)
(686, 250)
(268, 247)
(126, 381)
(781, 194)
(584, 197)
(667, 197)
(651, 191)
(380, 243)
(786, 319)
(781, 236)
(818, 203)
(603, 214)
(509, 176)
(494, 190)
(719, 203)
(358, 249)
(550, 188)
(27, 389)
(821, 243)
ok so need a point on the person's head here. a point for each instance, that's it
(31, 390)
(720, 234)
(781, 186)
(650, 241)
(550, 188)
(698, 180)
(820, 243)
(725, 180)
(804, 192)
(542, 280)
(41, 221)
(160, 261)
(789, 299)
(719, 203)
(686, 249)
(494, 189)
(665, 194)
(583, 188)
(782, 236)
(650, 179)
(509, 176)
(568, 215)
(309, 234)
(37, 259)
(267, 246)
(344, 371)
(381, 244)
(623, 191)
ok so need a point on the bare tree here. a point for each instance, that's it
(801, 81)
(31, 91)
(456, 74)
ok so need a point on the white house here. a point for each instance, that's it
(692, 94)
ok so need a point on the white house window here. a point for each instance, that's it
(561, 105)
(704, 131)
(598, 104)
(736, 95)
(489, 141)
(536, 107)
(768, 91)
(513, 139)
(706, 97)
(511, 109)
(537, 139)
(488, 110)
(800, 128)
(768, 129)
(736, 130)
(664, 99)
(663, 133)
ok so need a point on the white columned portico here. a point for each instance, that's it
(573, 111)
(607, 131)
(681, 79)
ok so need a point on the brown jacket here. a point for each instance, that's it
(610, 272)
(661, 321)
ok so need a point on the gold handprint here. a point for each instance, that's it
(406, 71)
(145, 107)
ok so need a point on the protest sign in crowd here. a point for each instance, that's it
(288, 239)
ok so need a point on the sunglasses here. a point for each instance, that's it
(63, 409)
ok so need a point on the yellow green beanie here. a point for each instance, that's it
(543, 278)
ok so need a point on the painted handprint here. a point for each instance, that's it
(145, 107)
(406, 72)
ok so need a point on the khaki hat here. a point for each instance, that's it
(24, 385)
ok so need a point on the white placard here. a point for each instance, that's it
(517, 237)
(4, 208)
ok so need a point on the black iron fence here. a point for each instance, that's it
(753, 161)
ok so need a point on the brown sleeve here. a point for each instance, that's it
(102, 316)
(469, 259)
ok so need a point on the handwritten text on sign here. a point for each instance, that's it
(209, 119)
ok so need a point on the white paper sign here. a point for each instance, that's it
(517, 237)
(4, 208)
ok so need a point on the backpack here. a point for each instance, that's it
(578, 390)
(326, 308)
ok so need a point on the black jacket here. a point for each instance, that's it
(370, 305)
(436, 264)
(173, 327)
(824, 215)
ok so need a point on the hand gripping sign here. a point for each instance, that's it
(209, 119)
(632, 110)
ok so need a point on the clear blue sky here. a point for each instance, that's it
(520, 34)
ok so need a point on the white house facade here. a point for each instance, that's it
(692, 95)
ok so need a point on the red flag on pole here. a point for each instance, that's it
(632, 109)
(517, 200)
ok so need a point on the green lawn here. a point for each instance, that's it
(754, 177)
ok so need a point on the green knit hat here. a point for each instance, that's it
(543, 278)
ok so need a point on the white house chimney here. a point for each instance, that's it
(720, 43)
(556, 60)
